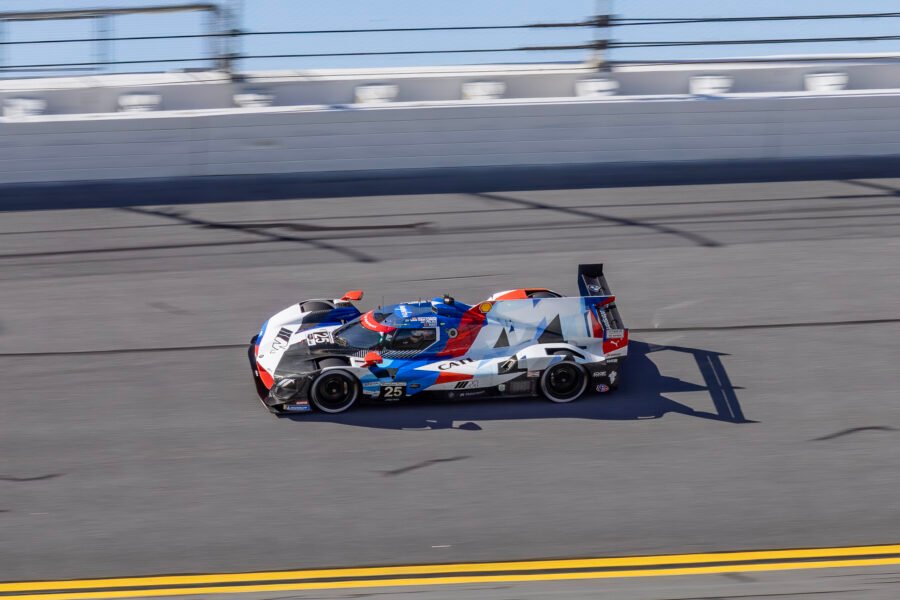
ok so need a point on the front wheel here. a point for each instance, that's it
(334, 391)
(563, 382)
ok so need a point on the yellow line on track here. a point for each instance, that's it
(512, 572)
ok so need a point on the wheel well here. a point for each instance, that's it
(323, 363)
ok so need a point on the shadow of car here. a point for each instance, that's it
(641, 395)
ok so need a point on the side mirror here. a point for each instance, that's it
(372, 359)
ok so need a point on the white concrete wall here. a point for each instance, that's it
(426, 135)
(215, 90)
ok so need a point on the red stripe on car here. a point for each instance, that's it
(470, 324)
(265, 377)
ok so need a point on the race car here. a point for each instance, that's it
(327, 355)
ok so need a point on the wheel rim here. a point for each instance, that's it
(565, 381)
(334, 392)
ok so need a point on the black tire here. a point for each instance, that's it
(334, 391)
(563, 382)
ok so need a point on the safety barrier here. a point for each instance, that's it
(484, 131)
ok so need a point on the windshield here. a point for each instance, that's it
(356, 336)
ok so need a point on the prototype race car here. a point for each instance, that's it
(326, 354)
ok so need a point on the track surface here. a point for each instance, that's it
(781, 434)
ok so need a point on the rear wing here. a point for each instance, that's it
(591, 282)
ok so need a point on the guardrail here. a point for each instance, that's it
(597, 42)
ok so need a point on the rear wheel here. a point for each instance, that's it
(334, 391)
(563, 382)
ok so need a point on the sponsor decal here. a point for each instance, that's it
(598, 374)
(613, 376)
(485, 306)
(533, 374)
(466, 384)
(299, 407)
(602, 388)
(425, 321)
(615, 334)
(603, 318)
(471, 393)
(455, 363)
(320, 337)
(595, 289)
(281, 340)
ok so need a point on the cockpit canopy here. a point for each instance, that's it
(410, 326)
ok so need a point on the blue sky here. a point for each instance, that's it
(263, 15)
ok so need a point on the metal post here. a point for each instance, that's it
(222, 30)
(236, 20)
(102, 51)
(602, 10)
(110, 33)
(213, 28)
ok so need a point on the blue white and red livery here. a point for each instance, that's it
(326, 355)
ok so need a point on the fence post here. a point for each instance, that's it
(102, 33)
(231, 35)
(601, 24)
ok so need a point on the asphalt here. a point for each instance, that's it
(759, 408)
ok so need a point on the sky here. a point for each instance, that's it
(271, 15)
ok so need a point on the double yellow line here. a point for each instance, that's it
(426, 575)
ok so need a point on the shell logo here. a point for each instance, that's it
(485, 306)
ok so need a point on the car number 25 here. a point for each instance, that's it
(393, 391)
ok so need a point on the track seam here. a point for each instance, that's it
(631, 329)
